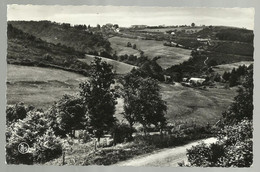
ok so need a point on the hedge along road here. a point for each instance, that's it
(169, 157)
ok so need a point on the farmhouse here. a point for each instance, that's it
(192, 81)
(197, 80)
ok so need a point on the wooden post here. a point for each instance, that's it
(95, 145)
(63, 157)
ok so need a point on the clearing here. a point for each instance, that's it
(151, 48)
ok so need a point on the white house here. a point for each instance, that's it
(197, 80)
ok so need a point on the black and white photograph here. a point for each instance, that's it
(129, 86)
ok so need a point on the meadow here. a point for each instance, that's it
(38, 86)
(196, 106)
(41, 87)
(151, 48)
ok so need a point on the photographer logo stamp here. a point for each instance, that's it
(23, 148)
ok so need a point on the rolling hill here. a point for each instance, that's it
(80, 38)
(151, 48)
(26, 49)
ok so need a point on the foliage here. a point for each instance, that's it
(143, 102)
(16, 112)
(243, 105)
(35, 131)
(241, 35)
(80, 39)
(99, 98)
(70, 114)
(122, 131)
(234, 148)
(37, 52)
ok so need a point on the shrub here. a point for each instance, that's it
(33, 130)
(16, 112)
(47, 147)
(120, 132)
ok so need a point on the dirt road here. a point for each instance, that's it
(165, 157)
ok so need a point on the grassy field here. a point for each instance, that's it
(188, 105)
(119, 67)
(151, 48)
(39, 86)
(42, 86)
(228, 67)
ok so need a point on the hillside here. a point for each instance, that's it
(38, 86)
(26, 49)
(118, 67)
(79, 38)
(151, 48)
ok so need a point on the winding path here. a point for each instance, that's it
(165, 157)
(205, 61)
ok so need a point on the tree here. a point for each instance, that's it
(115, 26)
(142, 102)
(129, 44)
(70, 114)
(243, 105)
(233, 79)
(192, 24)
(16, 112)
(98, 26)
(99, 98)
(226, 76)
(134, 46)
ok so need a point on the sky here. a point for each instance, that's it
(126, 16)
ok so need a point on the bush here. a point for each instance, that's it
(16, 112)
(33, 130)
(233, 149)
(47, 147)
(120, 132)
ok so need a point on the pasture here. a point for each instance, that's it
(38, 86)
(41, 87)
(188, 105)
(151, 48)
(119, 67)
